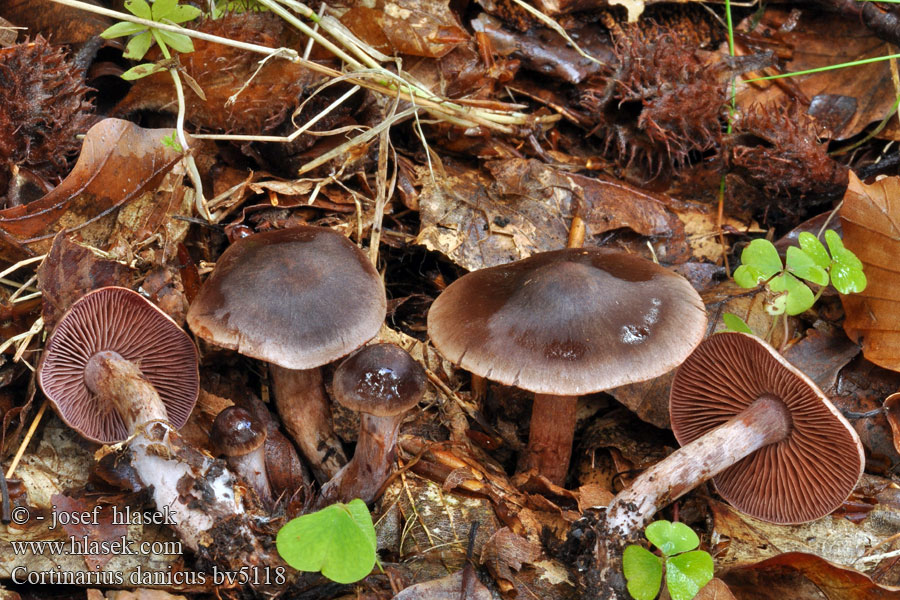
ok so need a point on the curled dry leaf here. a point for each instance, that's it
(870, 217)
(119, 162)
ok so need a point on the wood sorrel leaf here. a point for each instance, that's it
(338, 540)
(799, 298)
(735, 323)
(804, 266)
(687, 573)
(814, 249)
(671, 538)
(759, 262)
(643, 572)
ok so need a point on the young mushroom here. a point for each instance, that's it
(242, 439)
(563, 324)
(117, 368)
(297, 298)
(777, 449)
(382, 382)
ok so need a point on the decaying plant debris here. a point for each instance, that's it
(423, 140)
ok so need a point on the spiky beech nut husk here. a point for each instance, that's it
(43, 107)
(661, 103)
(777, 150)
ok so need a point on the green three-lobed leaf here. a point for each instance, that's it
(338, 540)
(687, 570)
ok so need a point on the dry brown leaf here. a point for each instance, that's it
(525, 207)
(415, 27)
(843, 100)
(69, 272)
(870, 217)
(445, 588)
(802, 576)
(119, 162)
(102, 530)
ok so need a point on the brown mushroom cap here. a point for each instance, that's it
(119, 320)
(235, 432)
(799, 479)
(299, 298)
(381, 380)
(568, 322)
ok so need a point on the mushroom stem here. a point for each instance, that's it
(252, 467)
(197, 493)
(766, 421)
(306, 415)
(371, 464)
(110, 376)
(553, 420)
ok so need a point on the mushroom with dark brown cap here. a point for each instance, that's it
(237, 435)
(382, 382)
(562, 324)
(115, 368)
(297, 298)
(777, 449)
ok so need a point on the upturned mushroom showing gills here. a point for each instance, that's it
(382, 382)
(777, 449)
(562, 324)
(117, 368)
(297, 298)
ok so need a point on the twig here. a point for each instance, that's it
(26, 440)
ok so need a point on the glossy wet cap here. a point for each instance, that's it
(299, 298)
(235, 432)
(119, 320)
(568, 322)
(799, 479)
(381, 379)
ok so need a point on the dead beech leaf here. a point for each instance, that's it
(870, 217)
(525, 206)
(119, 162)
(445, 588)
(715, 590)
(416, 27)
(506, 552)
(745, 541)
(805, 576)
(844, 101)
(103, 530)
(69, 272)
(892, 411)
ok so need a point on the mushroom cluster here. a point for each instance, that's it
(298, 299)
(563, 324)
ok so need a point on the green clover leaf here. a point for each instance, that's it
(671, 538)
(846, 270)
(735, 323)
(687, 573)
(759, 262)
(798, 297)
(643, 572)
(811, 245)
(338, 540)
(805, 266)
